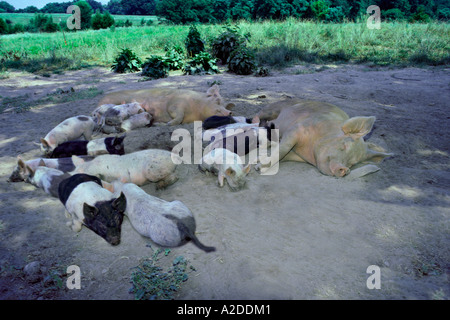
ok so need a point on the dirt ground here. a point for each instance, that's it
(294, 235)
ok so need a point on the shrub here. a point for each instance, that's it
(228, 41)
(154, 68)
(420, 15)
(194, 43)
(242, 61)
(101, 21)
(393, 14)
(174, 58)
(126, 61)
(202, 63)
(3, 27)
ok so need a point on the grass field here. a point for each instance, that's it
(276, 44)
(24, 18)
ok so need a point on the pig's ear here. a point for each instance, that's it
(120, 203)
(358, 127)
(247, 168)
(30, 171)
(230, 106)
(20, 163)
(44, 142)
(41, 163)
(213, 91)
(77, 161)
(89, 211)
(376, 156)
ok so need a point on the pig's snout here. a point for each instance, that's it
(340, 171)
(114, 240)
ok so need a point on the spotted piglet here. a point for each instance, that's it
(110, 145)
(168, 224)
(87, 203)
(70, 129)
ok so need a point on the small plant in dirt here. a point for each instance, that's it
(194, 43)
(151, 282)
(228, 41)
(201, 64)
(262, 72)
(126, 61)
(174, 57)
(155, 67)
(242, 61)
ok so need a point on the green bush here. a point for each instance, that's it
(228, 41)
(126, 61)
(420, 15)
(174, 58)
(154, 68)
(202, 63)
(194, 43)
(3, 26)
(242, 61)
(393, 14)
(101, 21)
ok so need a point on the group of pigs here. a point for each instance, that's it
(98, 183)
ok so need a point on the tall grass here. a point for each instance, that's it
(275, 43)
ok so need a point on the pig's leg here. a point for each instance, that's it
(88, 134)
(286, 145)
(167, 181)
(221, 177)
(177, 115)
(76, 225)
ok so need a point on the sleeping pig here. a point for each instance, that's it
(168, 224)
(22, 169)
(87, 203)
(47, 179)
(227, 165)
(141, 167)
(110, 145)
(70, 129)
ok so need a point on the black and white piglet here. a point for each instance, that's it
(168, 224)
(110, 145)
(87, 203)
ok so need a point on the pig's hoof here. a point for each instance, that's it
(167, 181)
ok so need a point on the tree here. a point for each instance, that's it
(101, 21)
(55, 7)
(138, 7)
(85, 13)
(31, 9)
(3, 27)
(6, 7)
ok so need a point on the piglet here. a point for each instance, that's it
(115, 114)
(139, 120)
(87, 203)
(227, 165)
(23, 168)
(70, 129)
(168, 224)
(110, 145)
(47, 179)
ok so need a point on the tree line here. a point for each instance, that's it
(218, 11)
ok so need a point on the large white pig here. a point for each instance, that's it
(168, 224)
(141, 167)
(70, 129)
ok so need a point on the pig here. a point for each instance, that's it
(168, 224)
(22, 169)
(174, 106)
(241, 140)
(88, 203)
(114, 115)
(140, 120)
(110, 145)
(47, 178)
(70, 129)
(141, 167)
(219, 121)
(227, 165)
(323, 135)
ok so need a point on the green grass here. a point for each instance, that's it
(277, 44)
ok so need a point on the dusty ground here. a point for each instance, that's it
(295, 235)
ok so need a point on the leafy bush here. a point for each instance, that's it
(228, 41)
(202, 63)
(420, 15)
(174, 58)
(155, 67)
(242, 61)
(101, 21)
(393, 14)
(151, 282)
(126, 61)
(3, 26)
(194, 44)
